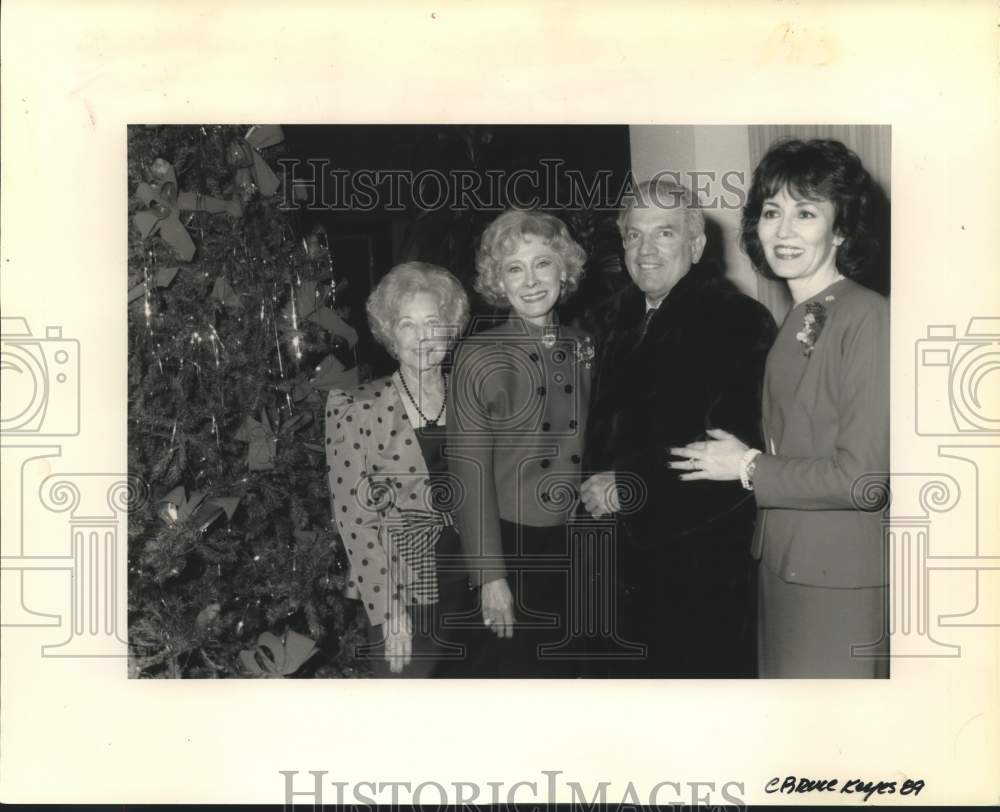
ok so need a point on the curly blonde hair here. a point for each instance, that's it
(500, 240)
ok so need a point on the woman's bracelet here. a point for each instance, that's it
(747, 466)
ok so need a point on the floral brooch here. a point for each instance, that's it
(585, 352)
(812, 325)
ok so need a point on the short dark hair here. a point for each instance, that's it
(820, 169)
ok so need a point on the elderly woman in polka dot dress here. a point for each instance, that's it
(520, 392)
(391, 491)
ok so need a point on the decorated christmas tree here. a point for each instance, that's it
(235, 567)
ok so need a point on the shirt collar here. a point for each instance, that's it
(519, 325)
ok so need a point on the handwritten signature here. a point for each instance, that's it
(790, 785)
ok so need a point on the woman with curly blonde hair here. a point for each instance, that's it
(515, 441)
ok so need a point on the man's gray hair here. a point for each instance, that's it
(664, 192)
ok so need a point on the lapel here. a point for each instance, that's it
(812, 362)
(625, 341)
(811, 369)
(827, 299)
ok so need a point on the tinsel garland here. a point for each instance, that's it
(212, 351)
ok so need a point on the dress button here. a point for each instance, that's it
(541, 391)
(572, 424)
(534, 357)
(546, 463)
(575, 458)
(546, 426)
(569, 389)
(559, 356)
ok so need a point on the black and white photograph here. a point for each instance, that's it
(500, 401)
(499, 404)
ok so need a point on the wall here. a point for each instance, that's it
(724, 152)
(735, 150)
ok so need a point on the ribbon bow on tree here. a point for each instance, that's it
(330, 374)
(263, 443)
(276, 658)
(161, 279)
(177, 507)
(250, 164)
(224, 293)
(311, 309)
(164, 205)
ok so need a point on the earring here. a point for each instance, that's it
(562, 284)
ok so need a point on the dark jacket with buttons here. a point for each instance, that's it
(517, 413)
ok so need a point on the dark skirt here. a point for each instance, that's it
(538, 575)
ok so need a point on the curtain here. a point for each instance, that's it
(873, 145)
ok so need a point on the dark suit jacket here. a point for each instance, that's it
(699, 366)
(828, 445)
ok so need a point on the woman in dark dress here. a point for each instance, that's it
(822, 577)
(515, 441)
(392, 494)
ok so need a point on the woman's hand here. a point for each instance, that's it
(599, 494)
(398, 639)
(716, 459)
(498, 607)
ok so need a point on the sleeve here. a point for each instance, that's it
(862, 443)
(470, 451)
(357, 520)
(726, 395)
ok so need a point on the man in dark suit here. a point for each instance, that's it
(684, 355)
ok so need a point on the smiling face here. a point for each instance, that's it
(658, 248)
(419, 334)
(798, 239)
(531, 277)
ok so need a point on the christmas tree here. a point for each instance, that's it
(235, 567)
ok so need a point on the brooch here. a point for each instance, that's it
(585, 352)
(549, 337)
(812, 326)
